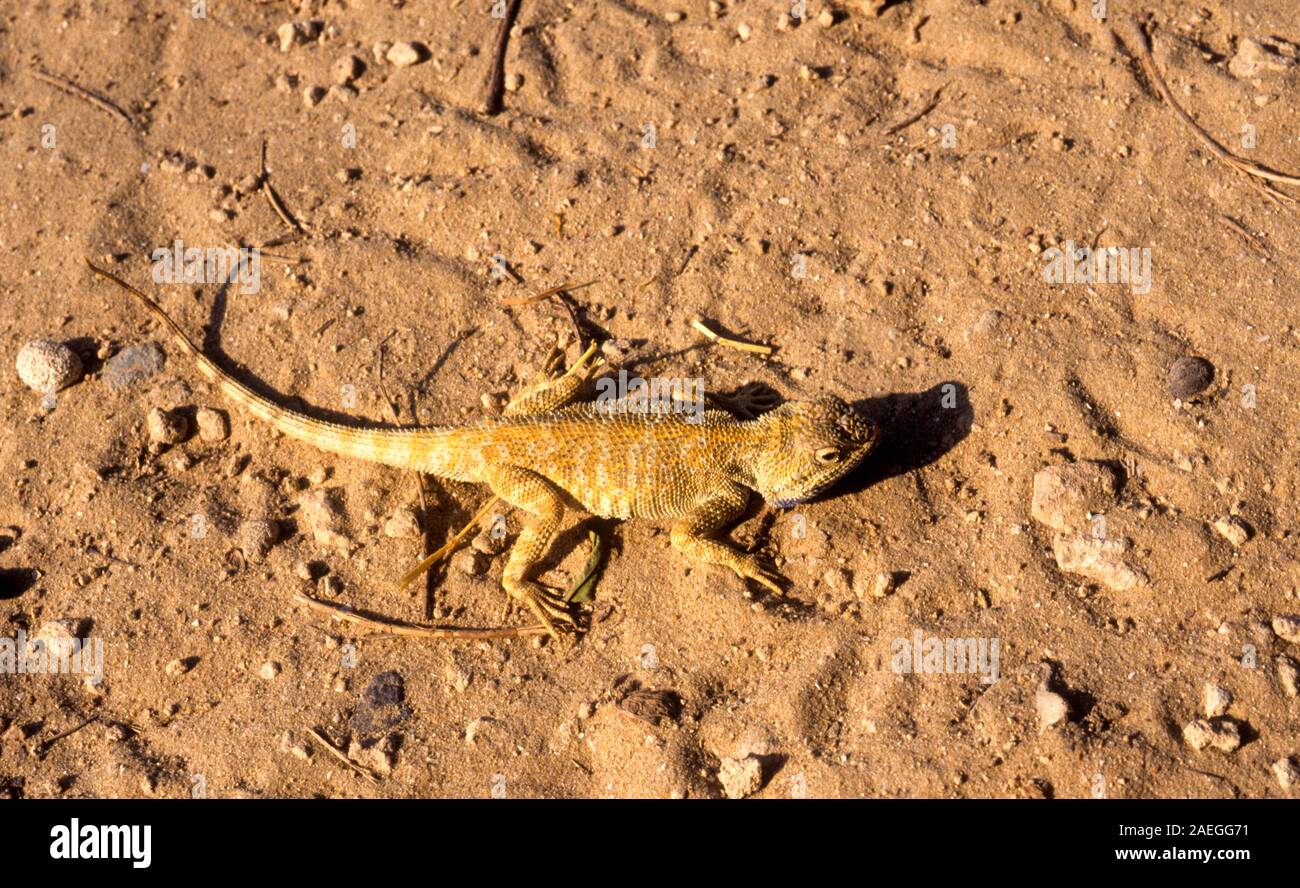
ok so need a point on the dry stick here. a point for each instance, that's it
(344, 614)
(496, 82)
(931, 103)
(1256, 244)
(72, 89)
(545, 294)
(698, 324)
(342, 756)
(1240, 164)
(45, 745)
(447, 547)
(273, 198)
(562, 292)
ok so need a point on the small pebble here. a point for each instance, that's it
(297, 748)
(312, 95)
(293, 34)
(1234, 530)
(166, 426)
(1217, 700)
(46, 366)
(673, 16)
(403, 524)
(379, 52)
(1051, 707)
(1288, 675)
(1189, 376)
(256, 537)
(740, 778)
(469, 562)
(1287, 628)
(270, 669)
(882, 585)
(744, 31)
(181, 666)
(1222, 734)
(490, 540)
(514, 82)
(403, 55)
(347, 69)
(1286, 772)
(1065, 495)
(213, 424)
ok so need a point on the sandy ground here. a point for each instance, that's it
(876, 195)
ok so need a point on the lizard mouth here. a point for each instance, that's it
(787, 502)
(818, 488)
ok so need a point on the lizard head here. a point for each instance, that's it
(808, 446)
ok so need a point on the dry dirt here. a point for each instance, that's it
(874, 197)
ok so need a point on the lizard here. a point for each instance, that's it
(547, 452)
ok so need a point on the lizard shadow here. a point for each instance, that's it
(211, 346)
(917, 429)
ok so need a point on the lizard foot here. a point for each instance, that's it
(754, 398)
(747, 567)
(550, 609)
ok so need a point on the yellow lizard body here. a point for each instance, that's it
(546, 454)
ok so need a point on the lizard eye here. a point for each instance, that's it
(828, 455)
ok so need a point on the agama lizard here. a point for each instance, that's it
(545, 454)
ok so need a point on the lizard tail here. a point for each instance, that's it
(404, 448)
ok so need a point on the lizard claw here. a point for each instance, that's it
(749, 568)
(550, 609)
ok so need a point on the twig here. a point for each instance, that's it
(496, 82)
(273, 198)
(67, 86)
(690, 254)
(562, 294)
(376, 626)
(698, 324)
(45, 745)
(931, 102)
(342, 756)
(1252, 239)
(447, 547)
(1247, 167)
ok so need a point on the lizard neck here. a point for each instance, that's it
(750, 444)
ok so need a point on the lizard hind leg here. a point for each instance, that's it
(690, 536)
(544, 505)
(552, 389)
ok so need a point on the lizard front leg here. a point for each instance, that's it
(543, 503)
(552, 389)
(690, 536)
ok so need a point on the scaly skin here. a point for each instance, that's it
(545, 455)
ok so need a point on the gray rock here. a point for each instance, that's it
(132, 364)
